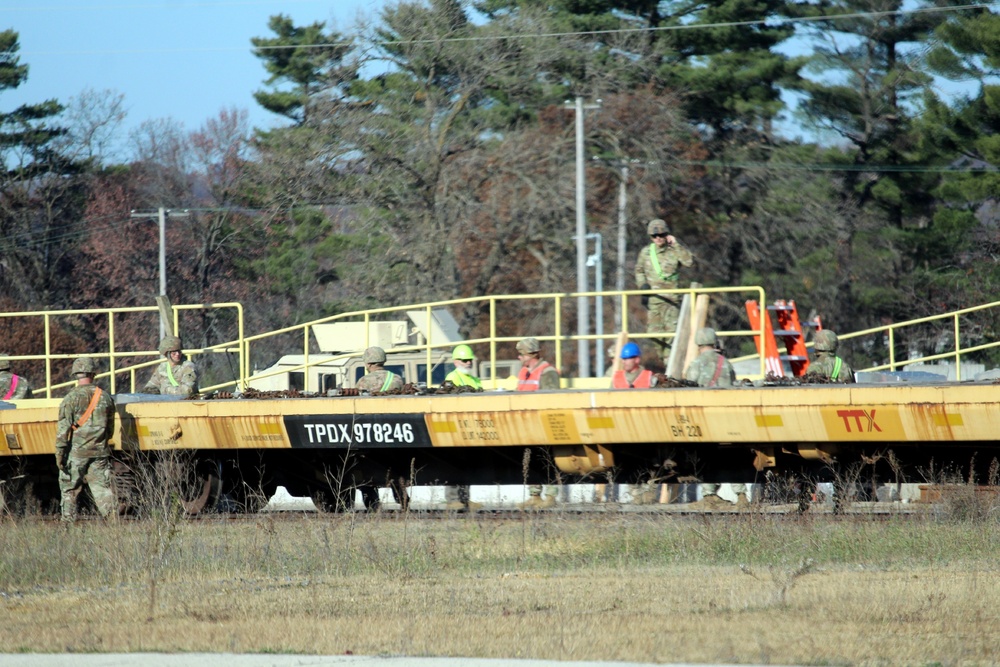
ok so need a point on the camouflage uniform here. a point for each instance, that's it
(86, 458)
(662, 274)
(184, 375)
(377, 381)
(825, 364)
(23, 389)
(703, 369)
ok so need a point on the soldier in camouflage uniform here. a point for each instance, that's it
(827, 364)
(658, 267)
(711, 369)
(12, 386)
(378, 378)
(176, 376)
(83, 453)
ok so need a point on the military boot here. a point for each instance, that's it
(473, 506)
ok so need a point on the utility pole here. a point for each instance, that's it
(620, 274)
(582, 305)
(162, 214)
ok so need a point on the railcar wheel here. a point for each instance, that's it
(201, 488)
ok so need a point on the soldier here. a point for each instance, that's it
(83, 453)
(174, 377)
(378, 378)
(464, 375)
(536, 374)
(711, 369)
(657, 267)
(632, 375)
(827, 364)
(12, 386)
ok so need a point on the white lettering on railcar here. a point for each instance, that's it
(362, 433)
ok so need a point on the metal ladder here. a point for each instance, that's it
(789, 330)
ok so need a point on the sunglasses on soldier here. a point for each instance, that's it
(658, 236)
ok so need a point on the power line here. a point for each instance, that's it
(770, 21)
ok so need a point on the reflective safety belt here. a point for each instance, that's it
(13, 387)
(718, 371)
(655, 260)
(170, 375)
(89, 411)
(836, 368)
(388, 381)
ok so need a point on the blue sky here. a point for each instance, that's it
(180, 59)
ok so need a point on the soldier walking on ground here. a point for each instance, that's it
(464, 375)
(711, 369)
(83, 453)
(536, 374)
(175, 376)
(378, 378)
(827, 364)
(658, 267)
(12, 386)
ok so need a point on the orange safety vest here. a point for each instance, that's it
(642, 382)
(531, 380)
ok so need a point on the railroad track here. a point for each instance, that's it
(785, 512)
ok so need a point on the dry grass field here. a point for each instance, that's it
(743, 588)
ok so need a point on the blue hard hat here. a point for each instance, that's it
(630, 351)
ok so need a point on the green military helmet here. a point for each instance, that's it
(84, 366)
(529, 345)
(170, 344)
(4, 363)
(657, 226)
(462, 352)
(374, 355)
(706, 336)
(825, 341)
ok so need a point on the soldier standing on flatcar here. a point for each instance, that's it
(658, 267)
(12, 386)
(827, 364)
(176, 376)
(378, 378)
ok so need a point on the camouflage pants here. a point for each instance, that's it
(96, 474)
(536, 490)
(662, 318)
(456, 493)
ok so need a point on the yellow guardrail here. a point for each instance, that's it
(112, 355)
(491, 304)
(891, 331)
(560, 305)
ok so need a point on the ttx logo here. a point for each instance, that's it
(864, 421)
